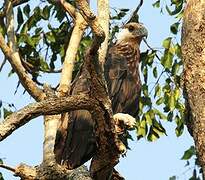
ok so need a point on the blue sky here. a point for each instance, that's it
(146, 161)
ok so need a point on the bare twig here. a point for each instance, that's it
(7, 167)
(145, 41)
(157, 81)
(2, 64)
(135, 17)
(50, 106)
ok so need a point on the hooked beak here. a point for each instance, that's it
(143, 32)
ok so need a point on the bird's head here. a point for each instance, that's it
(132, 31)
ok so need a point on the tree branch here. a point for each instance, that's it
(104, 16)
(69, 61)
(135, 17)
(7, 167)
(93, 22)
(50, 106)
(10, 25)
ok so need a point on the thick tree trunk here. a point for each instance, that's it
(193, 52)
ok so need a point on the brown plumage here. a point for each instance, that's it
(122, 76)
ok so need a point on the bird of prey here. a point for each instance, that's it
(121, 72)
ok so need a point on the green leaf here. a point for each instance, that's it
(160, 114)
(152, 135)
(1, 161)
(173, 178)
(171, 102)
(157, 90)
(155, 72)
(167, 59)
(158, 128)
(1, 176)
(160, 100)
(180, 126)
(151, 57)
(6, 112)
(46, 12)
(27, 10)
(20, 19)
(50, 37)
(174, 28)
(177, 93)
(170, 116)
(44, 65)
(148, 118)
(145, 89)
(177, 9)
(156, 4)
(145, 70)
(178, 50)
(167, 42)
(189, 153)
(142, 129)
(175, 68)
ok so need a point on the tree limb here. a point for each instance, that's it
(50, 106)
(10, 25)
(69, 61)
(92, 20)
(104, 16)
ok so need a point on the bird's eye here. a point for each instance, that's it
(131, 28)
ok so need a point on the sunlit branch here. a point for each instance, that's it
(50, 106)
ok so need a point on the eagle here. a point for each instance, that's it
(76, 143)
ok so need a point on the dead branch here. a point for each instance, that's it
(50, 106)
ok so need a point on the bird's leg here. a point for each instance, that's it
(123, 121)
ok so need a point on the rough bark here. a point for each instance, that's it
(193, 52)
(47, 107)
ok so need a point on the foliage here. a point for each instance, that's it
(43, 33)
(1, 176)
(166, 68)
(189, 156)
